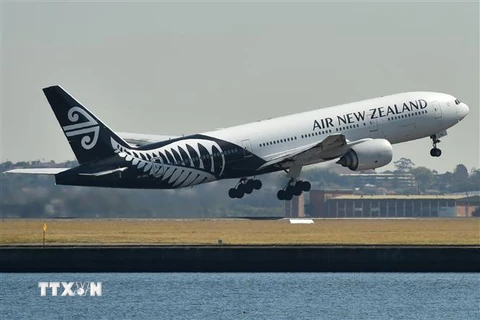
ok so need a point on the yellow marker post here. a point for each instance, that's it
(44, 231)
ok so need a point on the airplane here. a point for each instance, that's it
(358, 135)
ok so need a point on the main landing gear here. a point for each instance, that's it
(244, 186)
(435, 152)
(293, 188)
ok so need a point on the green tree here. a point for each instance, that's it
(460, 174)
(404, 165)
(424, 178)
(472, 183)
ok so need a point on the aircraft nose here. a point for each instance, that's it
(462, 111)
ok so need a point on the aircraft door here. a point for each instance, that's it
(437, 109)
(247, 148)
(373, 124)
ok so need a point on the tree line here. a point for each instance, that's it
(36, 196)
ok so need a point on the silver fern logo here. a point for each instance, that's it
(180, 164)
(89, 128)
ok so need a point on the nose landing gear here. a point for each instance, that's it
(435, 152)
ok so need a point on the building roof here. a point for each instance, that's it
(399, 197)
(470, 199)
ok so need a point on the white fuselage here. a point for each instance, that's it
(425, 114)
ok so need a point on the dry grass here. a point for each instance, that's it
(163, 232)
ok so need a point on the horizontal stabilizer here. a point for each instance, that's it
(46, 171)
(102, 173)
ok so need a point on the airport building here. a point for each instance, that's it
(400, 180)
(344, 204)
(295, 208)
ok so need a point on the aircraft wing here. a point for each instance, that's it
(331, 147)
(46, 171)
(140, 139)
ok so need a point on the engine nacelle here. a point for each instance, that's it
(368, 155)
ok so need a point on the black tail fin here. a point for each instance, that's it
(89, 138)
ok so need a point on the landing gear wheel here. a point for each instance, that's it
(248, 187)
(232, 193)
(290, 189)
(281, 194)
(257, 184)
(235, 193)
(297, 190)
(435, 152)
(241, 187)
(306, 186)
(288, 196)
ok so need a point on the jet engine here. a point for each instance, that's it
(367, 155)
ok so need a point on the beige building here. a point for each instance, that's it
(343, 204)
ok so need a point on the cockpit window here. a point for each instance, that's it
(457, 102)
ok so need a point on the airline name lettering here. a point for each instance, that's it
(374, 113)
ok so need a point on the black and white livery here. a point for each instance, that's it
(358, 135)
